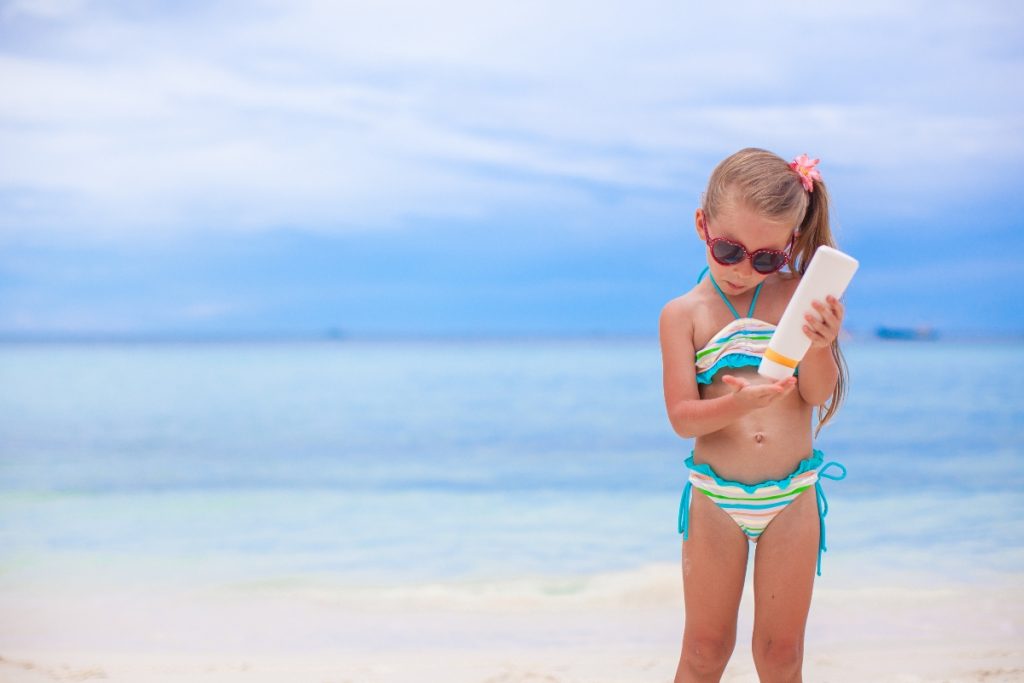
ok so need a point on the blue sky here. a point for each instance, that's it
(487, 168)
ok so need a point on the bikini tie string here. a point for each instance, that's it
(823, 503)
(684, 510)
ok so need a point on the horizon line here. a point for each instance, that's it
(339, 336)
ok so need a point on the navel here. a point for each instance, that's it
(759, 436)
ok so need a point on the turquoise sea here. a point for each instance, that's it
(403, 462)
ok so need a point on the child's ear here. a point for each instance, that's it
(698, 217)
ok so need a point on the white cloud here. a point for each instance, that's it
(336, 117)
(46, 9)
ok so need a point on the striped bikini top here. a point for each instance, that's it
(739, 344)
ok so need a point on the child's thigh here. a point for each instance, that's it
(714, 568)
(784, 566)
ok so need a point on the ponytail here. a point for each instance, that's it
(815, 232)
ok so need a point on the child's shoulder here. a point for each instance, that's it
(684, 306)
(683, 314)
(676, 321)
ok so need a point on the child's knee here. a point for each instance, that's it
(708, 652)
(778, 654)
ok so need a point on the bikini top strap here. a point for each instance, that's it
(753, 302)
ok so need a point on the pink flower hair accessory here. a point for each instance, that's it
(805, 168)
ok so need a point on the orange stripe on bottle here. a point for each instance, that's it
(780, 359)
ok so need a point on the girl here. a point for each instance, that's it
(754, 474)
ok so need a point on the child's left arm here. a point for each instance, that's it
(818, 369)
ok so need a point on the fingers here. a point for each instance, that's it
(822, 330)
(778, 389)
(786, 384)
(759, 395)
(734, 381)
(780, 386)
(766, 393)
(815, 334)
(837, 308)
(831, 311)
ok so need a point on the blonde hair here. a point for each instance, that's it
(765, 183)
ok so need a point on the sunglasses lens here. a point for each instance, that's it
(768, 262)
(726, 253)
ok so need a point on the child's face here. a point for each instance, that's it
(750, 229)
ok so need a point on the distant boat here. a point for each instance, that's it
(923, 333)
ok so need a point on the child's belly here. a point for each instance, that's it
(766, 443)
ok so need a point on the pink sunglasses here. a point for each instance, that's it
(729, 253)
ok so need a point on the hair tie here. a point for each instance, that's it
(804, 167)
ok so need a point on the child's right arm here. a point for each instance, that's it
(689, 414)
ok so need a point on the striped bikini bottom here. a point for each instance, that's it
(753, 507)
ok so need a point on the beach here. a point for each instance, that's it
(621, 628)
(258, 512)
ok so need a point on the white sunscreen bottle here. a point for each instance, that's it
(828, 273)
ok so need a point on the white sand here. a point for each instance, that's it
(613, 628)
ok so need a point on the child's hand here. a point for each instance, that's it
(752, 396)
(824, 330)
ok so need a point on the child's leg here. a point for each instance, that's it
(714, 567)
(784, 566)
